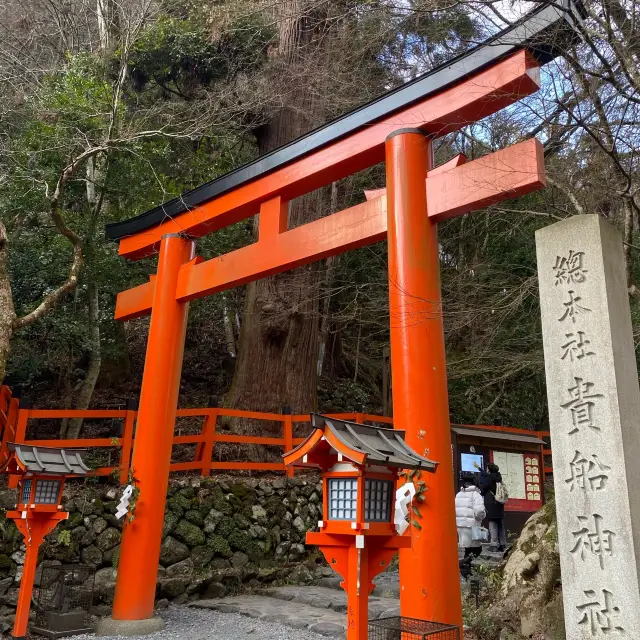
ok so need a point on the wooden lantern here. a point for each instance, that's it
(360, 468)
(41, 472)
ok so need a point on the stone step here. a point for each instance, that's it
(324, 622)
(387, 584)
(326, 598)
(317, 609)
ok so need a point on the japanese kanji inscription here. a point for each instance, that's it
(594, 401)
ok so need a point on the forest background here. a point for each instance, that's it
(109, 107)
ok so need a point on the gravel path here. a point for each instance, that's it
(184, 623)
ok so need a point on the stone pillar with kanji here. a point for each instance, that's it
(594, 412)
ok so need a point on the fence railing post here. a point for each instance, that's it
(205, 448)
(288, 435)
(20, 436)
(10, 426)
(127, 440)
(359, 411)
(12, 420)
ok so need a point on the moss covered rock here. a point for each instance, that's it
(194, 517)
(211, 521)
(108, 539)
(242, 541)
(226, 527)
(530, 598)
(189, 533)
(275, 508)
(241, 491)
(219, 546)
(173, 551)
(91, 556)
(189, 493)
(170, 521)
(75, 520)
(202, 556)
(219, 501)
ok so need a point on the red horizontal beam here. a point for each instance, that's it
(77, 443)
(256, 415)
(185, 466)
(73, 413)
(304, 417)
(193, 413)
(191, 439)
(278, 442)
(247, 466)
(490, 90)
(516, 170)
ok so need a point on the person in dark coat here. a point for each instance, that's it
(494, 509)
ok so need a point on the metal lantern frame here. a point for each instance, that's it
(41, 473)
(360, 467)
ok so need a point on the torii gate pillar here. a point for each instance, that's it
(142, 537)
(429, 574)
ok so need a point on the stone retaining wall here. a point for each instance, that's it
(219, 534)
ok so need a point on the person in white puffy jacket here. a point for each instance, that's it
(469, 511)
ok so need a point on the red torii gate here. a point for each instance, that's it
(399, 131)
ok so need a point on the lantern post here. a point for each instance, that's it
(41, 475)
(364, 512)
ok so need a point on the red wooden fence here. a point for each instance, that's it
(14, 420)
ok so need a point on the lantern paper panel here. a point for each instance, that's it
(377, 500)
(47, 492)
(26, 490)
(343, 498)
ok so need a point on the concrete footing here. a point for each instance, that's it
(129, 628)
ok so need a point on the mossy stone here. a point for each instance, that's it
(219, 546)
(189, 533)
(170, 521)
(75, 520)
(187, 492)
(226, 527)
(274, 508)
(194, 517)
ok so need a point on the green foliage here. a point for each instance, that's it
(481, 622)
(179, 56)
(115, 558)
(64, 537)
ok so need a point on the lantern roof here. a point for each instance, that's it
(46, 460)
(360, 443)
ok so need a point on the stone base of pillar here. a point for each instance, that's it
(129, 628)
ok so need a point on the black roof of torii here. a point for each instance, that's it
(544, 32)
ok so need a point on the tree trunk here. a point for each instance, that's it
(107, 17)
(7, 310)
(326, 302)
(229, 336)
(96, 170)
(628, 239)
(278, 350)
(85, 393)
